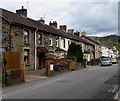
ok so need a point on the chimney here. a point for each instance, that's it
(71, 31)
(41, 21)
(54, 23)
(83, 33)
(77, 33)
(22, 11)
(63, 27)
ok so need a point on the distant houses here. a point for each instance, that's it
(34, 39)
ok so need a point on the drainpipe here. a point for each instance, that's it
(10, 36)
(35, 48)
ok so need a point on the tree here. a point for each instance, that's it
(75, 50)
(118, 47)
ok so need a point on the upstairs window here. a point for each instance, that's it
(40, 38)
(50, 42)
(68, 42)
(64, 43)
(26, 36)
(56, 43)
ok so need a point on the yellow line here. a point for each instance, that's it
(111, 88)
(115, 88)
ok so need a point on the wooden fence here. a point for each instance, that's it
(13, 69)
(12, 60)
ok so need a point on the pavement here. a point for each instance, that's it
(35, 75)
(79, 84)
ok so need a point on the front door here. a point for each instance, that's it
(41, 58)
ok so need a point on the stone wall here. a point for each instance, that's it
(5, 34)
(15, 34)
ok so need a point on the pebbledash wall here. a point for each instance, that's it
(14, 41)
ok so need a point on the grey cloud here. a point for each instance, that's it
(92, 17)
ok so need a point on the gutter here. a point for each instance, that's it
(35, 49)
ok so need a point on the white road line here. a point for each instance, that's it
(36, 86)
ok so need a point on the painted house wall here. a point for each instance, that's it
(105, 51)
(61, 43)
(98, 53)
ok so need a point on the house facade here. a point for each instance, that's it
(96, 49)
(32, 38)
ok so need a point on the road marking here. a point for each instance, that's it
(112, 90)
(45, 83)
(116, 87)
(38, 85)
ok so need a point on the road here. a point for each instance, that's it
(79, 84)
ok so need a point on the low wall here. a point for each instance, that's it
(12, 76)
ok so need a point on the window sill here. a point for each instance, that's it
(50, 46)
(27, 64)
(26, 43)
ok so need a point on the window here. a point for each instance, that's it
(26, 36)
(40, 38)
(64, 43)
(56, 43)
(26, 56)
(3, 49)
(68, 42)
(50, 41)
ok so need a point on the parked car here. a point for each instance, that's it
(104, 61)
(114, 60)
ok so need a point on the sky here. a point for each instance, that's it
(95, 17)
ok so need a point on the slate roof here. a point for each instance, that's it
(19, 20)
(91, 40)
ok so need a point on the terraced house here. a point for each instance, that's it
(96, 52)
(34, 39)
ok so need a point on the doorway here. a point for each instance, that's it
(41, 60)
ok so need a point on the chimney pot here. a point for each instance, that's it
(54, 23)
(22, 12)
(22, 7)
(71, 31)
(63, 27)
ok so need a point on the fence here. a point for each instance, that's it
(12, 60)
(12, 68)
(59, 65)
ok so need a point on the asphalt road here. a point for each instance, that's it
(79, 84)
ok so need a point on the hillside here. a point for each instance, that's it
(111, 40)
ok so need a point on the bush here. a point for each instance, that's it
(75, 51)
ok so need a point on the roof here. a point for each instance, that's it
(91, 40)
(17, 19)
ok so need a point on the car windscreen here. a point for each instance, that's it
(105, 59)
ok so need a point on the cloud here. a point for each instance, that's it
(96, 18)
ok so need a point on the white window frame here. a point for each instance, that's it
(27, 56)
(26, 36)
(50, 42)
(56, 43)
(64, 45)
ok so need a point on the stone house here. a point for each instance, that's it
(34, 39)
